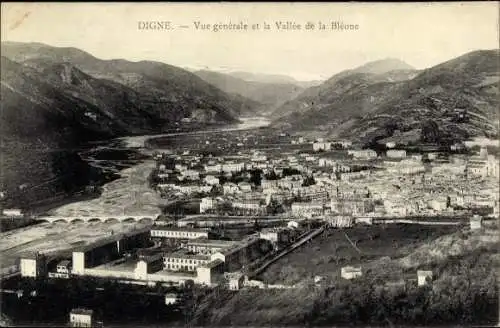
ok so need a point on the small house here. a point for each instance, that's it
(171, 298)
(423, 277)
(81, 318)
(350, 272)
(476, 222)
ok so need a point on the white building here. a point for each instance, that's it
(245, 186)
(81, 318)
(208, 246)
(492, 167)
(171, 298)
(233, 167)
(344, 143)
(230, 188)
(235, 280)
(13, 212)
(211, 180)
(396, 153)
(213, 168)
(178, 233)
(307, 208)
(363, 154)
(390, 144)
(350, 272)
(206, 204)
(438, 204)
(33, 265)
(211, 273)
(476, 222)
(259, 158)
(275, 235)
(423, 277)
(252, 206)
(190, 174)
(64, 267)
(182, 260)
(326, 162)
(324, 146)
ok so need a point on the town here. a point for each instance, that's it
(258, 166)
(239, 205)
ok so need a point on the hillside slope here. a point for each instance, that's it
(324, 95)
(40, 127)
(273, 78)
(176, 93)
(464, 265)
(270, 95)
(54, 100)
(460, 96)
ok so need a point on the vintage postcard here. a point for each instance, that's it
(249, 164)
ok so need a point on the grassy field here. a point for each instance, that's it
(328, 253)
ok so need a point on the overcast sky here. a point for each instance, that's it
(420, 34)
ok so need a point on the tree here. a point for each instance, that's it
(430, 132)
(308, 181)
(275, 207)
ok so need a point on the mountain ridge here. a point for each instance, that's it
(386, 71)
(468, 83)
(270, 95)
(55, 99)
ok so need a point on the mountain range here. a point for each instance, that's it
(270, 94)
(56, 98)
(390, 99)
(59, 98)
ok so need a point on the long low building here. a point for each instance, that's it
(183, 260)
(245, 251)
(207, 246)
(108, 249)
(178, 233)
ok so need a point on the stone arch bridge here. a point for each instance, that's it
(89, 219)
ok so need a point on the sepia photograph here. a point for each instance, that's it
(231, 164)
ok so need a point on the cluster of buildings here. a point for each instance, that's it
(334, 184)
(192, 255)
(338, 181)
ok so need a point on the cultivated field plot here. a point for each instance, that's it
(328, 253)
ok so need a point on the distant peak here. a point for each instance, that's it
(383, 66)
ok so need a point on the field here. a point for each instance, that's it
(328, 253)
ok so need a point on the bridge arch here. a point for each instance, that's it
(77, 220)
(129, 219)
(61, 220)
(146, 220)
(93, 220)
(111, 220)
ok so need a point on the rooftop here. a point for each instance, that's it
(64, 263)
(82, 311)
(148, 258)
(212, 264)
(182, 253)
(210, 242)
(110, 239)
(165, 228)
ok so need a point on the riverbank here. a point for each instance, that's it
(130, 193)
